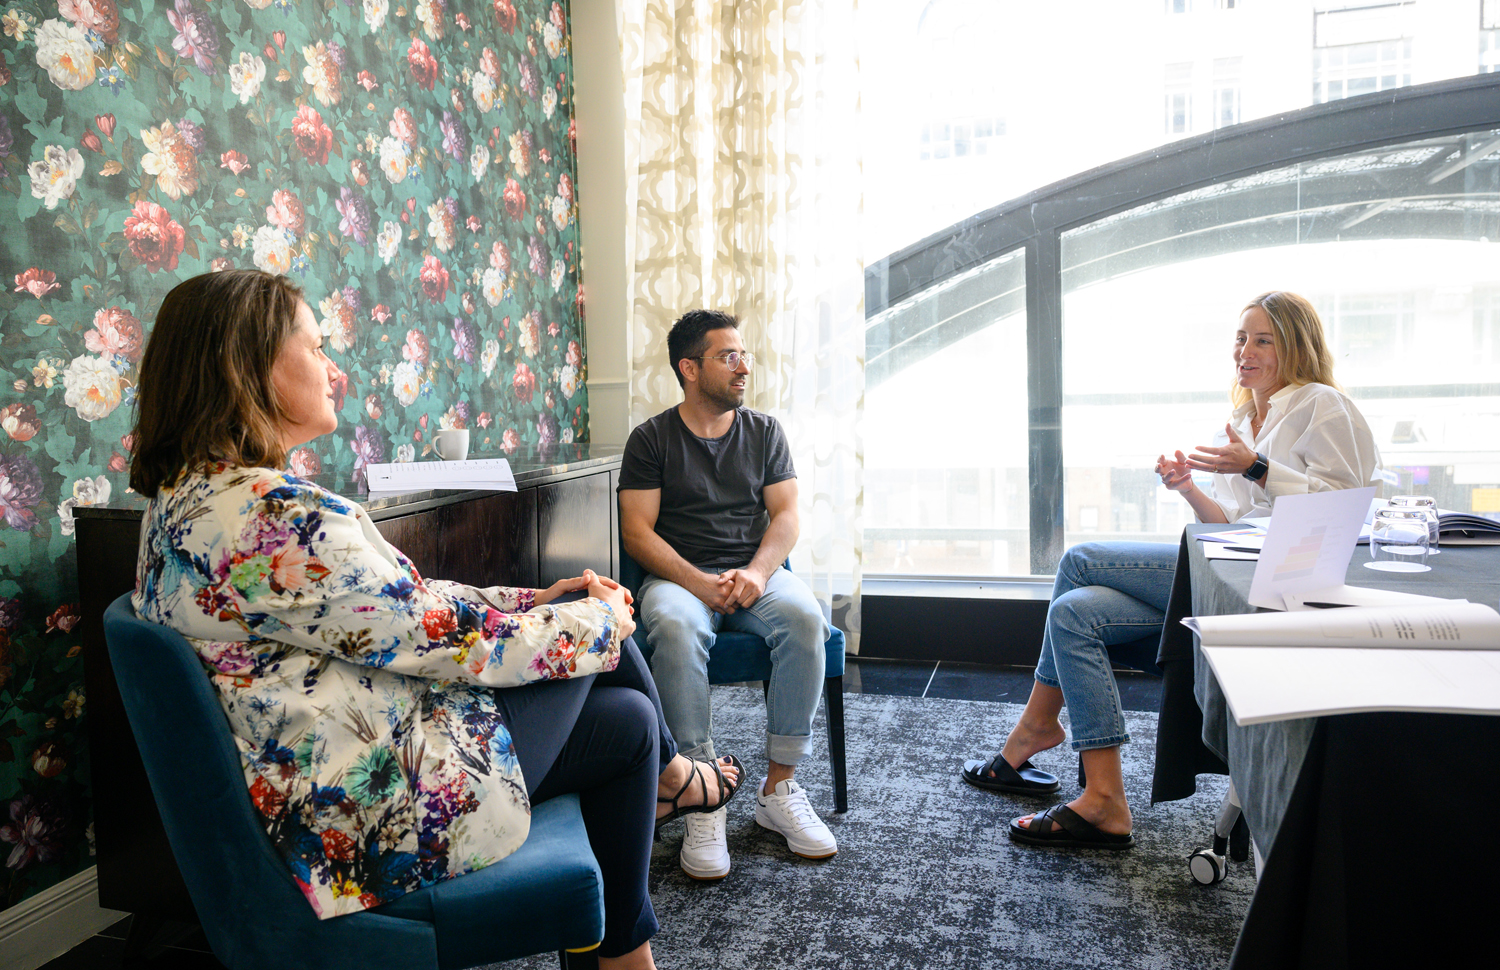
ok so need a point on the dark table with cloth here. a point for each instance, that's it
(1376, 830)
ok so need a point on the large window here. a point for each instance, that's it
(1028, 359)
(945, 474)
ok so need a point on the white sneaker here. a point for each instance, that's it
(788, 812)
(705, 851)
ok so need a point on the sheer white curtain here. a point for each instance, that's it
(742, 136)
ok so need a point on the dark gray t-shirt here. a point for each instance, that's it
(712, 512)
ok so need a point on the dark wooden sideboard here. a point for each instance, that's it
(562, 519)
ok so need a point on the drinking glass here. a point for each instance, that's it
(1428, 505)
(1399, 541)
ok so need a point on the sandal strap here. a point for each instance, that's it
(725, 789)
(692, 773)
(1002, 770)
(1060, 816)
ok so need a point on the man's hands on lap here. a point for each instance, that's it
(745, 586)
(712, 590)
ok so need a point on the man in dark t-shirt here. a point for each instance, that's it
(708, 507)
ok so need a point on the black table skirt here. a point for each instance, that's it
(1181, 755)
(1387, 856)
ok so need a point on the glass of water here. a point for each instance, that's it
(1399, 541)
(1429, 507)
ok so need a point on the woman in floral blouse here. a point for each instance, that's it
(362, 697)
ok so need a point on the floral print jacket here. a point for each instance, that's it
(359, 694)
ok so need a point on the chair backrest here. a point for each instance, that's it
(250, 907)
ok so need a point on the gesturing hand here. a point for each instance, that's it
(1232, 459)
(1175, 473)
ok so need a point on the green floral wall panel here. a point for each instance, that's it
(410, 166)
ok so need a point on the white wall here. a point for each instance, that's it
(599, 107)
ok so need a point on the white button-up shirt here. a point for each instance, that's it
(1315, 440)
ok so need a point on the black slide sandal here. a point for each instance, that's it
(1026, 780)
(1063, 828)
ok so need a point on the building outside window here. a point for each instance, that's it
(1489, 36)
(1226, 92)
(1361, 50)
(1178, 98)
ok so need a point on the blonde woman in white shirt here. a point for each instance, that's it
(1292, 431)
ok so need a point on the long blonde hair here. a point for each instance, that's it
(1302, 354)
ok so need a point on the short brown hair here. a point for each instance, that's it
(1302, 354)
(688, 337)
(205, 391)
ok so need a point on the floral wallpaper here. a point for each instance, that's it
(410, 165)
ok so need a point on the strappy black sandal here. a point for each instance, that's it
(997, 775)
(726, 790)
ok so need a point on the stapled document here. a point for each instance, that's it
(479, 474)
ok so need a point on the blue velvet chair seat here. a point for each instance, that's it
(546, 896)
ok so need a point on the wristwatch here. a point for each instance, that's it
(1258, 469)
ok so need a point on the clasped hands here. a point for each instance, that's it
(730, 590)
(599, 587)
(1234, 458)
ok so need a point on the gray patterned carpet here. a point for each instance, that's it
(926, 875)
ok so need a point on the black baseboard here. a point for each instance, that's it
(986, 631)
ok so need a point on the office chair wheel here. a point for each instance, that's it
(1208, 867)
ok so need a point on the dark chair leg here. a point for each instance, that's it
(1083, 780)
(765, 689)
(142, 934)
(578, 961)
(833, 700)
(150, 936)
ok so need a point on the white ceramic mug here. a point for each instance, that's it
(451, 444)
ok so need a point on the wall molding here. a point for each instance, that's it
(49, 924)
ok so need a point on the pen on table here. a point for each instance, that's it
(1243, 549)
(1324, 606)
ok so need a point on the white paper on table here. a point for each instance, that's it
(1214, 550)
(482, 474)
(1309, 544)
(1277, 683)
(1356, 596)
(1251, 536)
(1437, 624)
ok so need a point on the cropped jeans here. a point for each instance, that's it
(1106, 593)
(682, 629)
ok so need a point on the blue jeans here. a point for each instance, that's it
(682, 629)
(1106, 593)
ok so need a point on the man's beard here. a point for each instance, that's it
(725, 397)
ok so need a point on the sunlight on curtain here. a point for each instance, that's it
(741, 129)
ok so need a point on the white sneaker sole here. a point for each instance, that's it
(702, 875)
(814, 853)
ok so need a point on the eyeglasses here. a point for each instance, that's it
(733, 359)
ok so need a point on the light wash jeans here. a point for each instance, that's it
(682, 629)
(1106, 593)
